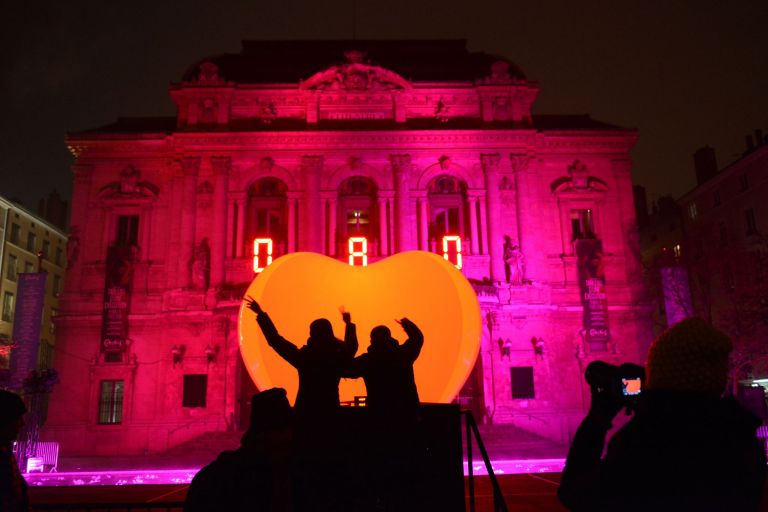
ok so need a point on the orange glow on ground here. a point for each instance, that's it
(300, 287)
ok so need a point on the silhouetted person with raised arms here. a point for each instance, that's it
(13, 487)
(686, 449)
(258, 476)
(393, 406)
(320, 362)
(319, 443)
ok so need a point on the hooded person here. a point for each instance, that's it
(258, 476)
(686, 448)
(13, 487)
(320, 362)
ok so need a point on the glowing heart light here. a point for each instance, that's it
(300, 287)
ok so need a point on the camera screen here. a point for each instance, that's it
(631, 387)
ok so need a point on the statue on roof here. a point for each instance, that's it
(355, 76)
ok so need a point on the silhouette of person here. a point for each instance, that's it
(13, 487)
(320, 445)
(686, 447)
(258, 475)
(393, 405)
(320, 362)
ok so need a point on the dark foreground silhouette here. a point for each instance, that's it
(686, 448)
(13, 487)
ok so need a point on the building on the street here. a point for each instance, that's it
(304, 145)
(30, 244)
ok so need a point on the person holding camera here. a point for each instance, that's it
(685, 448)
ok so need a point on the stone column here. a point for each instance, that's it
(190, 167)
(526, 201)
(221, 166)
(483, 226)
(231, 209)
(311, 231)
(401, 167)
(490, 163)
(383, 230)
(473, 224)
(291, 247)
(239, 242)
(423, 223)
(332, 226)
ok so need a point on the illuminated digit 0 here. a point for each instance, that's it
(257, 254)
(456, 240)
(361, 251)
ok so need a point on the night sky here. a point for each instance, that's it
(685, 74)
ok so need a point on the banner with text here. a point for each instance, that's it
(27, 320)
(117, 292)
(592, 284)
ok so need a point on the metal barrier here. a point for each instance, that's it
(498, 498)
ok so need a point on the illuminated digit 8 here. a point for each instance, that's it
(456, 240)
(257, 243)
(361, 251)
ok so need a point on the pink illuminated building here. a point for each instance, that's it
(305, 145)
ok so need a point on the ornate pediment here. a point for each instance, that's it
(130, 186)
(355, 76)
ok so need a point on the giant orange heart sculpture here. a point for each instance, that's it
(300, 287)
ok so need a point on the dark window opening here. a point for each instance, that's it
(111, 402)
(195, 389)
(127, 230)
(582, 224)
(522, 382)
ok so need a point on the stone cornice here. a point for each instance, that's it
(600, 141)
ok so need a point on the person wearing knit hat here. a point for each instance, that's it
(686, 448)
(13, 487)
(258, 475)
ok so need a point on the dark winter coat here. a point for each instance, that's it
(679, 452)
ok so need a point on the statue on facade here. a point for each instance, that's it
(514, 262)
(201, 265)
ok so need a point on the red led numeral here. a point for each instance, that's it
(358, 251)
(262, 253)
(452, 250)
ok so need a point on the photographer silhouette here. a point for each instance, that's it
(685, 448)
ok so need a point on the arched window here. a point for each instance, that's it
(358, 215)
(447, 209)
(266, 214)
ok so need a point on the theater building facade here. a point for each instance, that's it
(340, 147)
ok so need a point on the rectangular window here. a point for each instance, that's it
(58, 256)
(46, 250)
(12, 272)
(31, 241)
(749, 221)
(29, 267)
(127, 230)
(111, 402)
(15, 233)
(56, 285)
(716, 198)
(582, 224)
(8, 306)
(743, 182)
(723, 235)
(195, 389)
(692, 210)
(522, 382)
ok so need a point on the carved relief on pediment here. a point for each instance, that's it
(355, 76)
(129, 186)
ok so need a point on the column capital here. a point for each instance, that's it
(190, 165)
(311, 162)
(221, 164)
(490, 161)
(400, 162)
(520, 161)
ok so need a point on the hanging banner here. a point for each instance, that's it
(117, 291)
(592, 284)
(30, 297)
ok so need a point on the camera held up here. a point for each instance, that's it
(621, 385)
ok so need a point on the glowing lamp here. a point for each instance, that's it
(258, 243)
(300, 287)
(454, 240)
(358, 248)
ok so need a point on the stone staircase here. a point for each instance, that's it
(508, 442)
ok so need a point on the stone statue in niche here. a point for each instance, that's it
(208, 74)
(201, 265)
(441, 111)
(514, 262)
